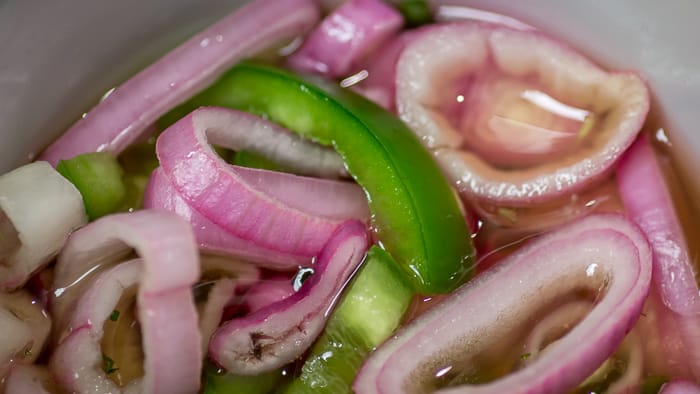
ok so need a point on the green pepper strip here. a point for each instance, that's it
(369, 311)
(416, 216)
(98, 177)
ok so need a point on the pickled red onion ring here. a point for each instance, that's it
(130, 109)
(77, 360)
(161, 195)
(292, 223)
(346, 35)
(168, 318)
(279, 333)
(649, 204)
(496, 71)
(606, 250)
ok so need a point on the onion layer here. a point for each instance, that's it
(648, 203)
(279, 333)
(168, 318)
(280, 216)
(345, 36)
(43, 207)
(513, 116)
(604, 253)
(129, 110)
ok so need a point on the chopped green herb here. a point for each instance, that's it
(415, 12)
(108, 365)
(28, 352)
(525, 356)
(114, 316)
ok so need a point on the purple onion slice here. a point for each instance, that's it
(603, 254)
(515, 117)
(280, 332)
(345, 36)
(166, 311)
(289, 215)
(126, 114)
(649, 204)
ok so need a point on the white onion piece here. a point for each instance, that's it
(520, 75)
(24, 326)
(604, 253)
(44, 207)
(345, 36)
(680, 386)
(279, 333)
(168, 318)
(294, 222)
(649, 203)
(29, 379)
(130, 109)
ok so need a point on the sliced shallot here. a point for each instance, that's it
(649, 204)
(43, 208)
(25, 327)
(166, 312)
(279, 333)
(515, 117)
(285, 217)
(345, 36)
(605, 254)
(77, 362)
(123, 116)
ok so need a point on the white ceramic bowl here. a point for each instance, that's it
(58, 57)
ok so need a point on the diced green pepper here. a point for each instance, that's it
(416, 216)
(98, 177)
(367, 314)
